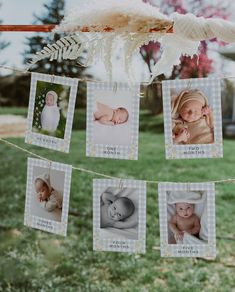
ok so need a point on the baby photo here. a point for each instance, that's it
(119, 214)
(112, 120)
(50, 199)
(51, 108)
(116, 210)
(192, 118)
(47, 195)
(190, 228)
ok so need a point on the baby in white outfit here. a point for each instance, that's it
(49, 198)
(50, 116)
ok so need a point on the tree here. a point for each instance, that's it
(54, 12)
(199, 66)
(196, 67)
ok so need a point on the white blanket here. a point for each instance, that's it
(112, 135)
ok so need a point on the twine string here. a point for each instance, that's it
(228, 180)
(91, 79)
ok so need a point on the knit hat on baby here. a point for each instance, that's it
(189, 95)
(54, 94)
(45, 177)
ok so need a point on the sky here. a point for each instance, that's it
(22, 12)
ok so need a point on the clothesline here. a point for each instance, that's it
(99, 81)
(228, 180)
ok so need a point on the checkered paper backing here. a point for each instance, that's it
(113, 151)
(194, 150)
(46, 140)
(115, 243)
(40, 222)
(206, 250)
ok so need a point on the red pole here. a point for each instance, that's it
(37, 28)
(50, 27)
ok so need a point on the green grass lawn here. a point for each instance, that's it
(32, 260)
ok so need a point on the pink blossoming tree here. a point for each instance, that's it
(196, 67)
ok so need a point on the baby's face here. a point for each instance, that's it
(49, 99)
(184, 210)
(191, 111)
(117, 211)
(42, 189)
(120, 116)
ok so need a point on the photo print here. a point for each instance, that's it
(51, 110)
(187, 219)
(192, 118)
(47, 195)
(119, 215)
(112, 120)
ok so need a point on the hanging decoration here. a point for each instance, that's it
(97, 28)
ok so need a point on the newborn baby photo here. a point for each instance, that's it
(119, 215)
(192, 118)
(47, 195)
(112, 120)
(109, 116)
(50, 109)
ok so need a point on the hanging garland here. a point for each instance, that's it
(134, 24)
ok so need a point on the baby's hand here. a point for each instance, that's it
(179, 235)
(183, 136)
(206, 110)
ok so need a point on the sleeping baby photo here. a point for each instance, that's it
(50, 109)
(119, 215)
(192, 118)
(112, 120)
(47, 195)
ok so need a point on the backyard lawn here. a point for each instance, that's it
(32, 260)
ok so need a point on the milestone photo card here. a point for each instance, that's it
(51, 110)
(187, 219)
(47, 195)
(119, 215)
(112, 120)
(192, 118)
